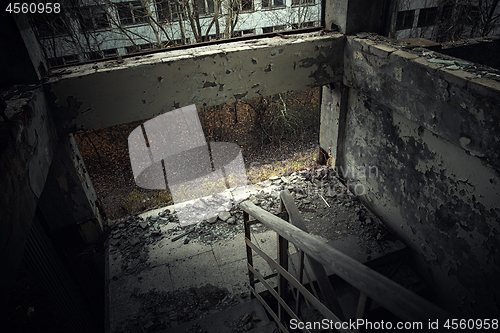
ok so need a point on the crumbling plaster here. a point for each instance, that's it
(443, 201)
(28, 144)
(454, 104)
(110, 93)
(433, 134)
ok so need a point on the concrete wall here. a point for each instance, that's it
(15, 60)
(433, 135)
(28, 142)
(111, 93)
(40, 169)
(69, 201)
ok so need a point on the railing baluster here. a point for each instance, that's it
(246, 219)
(364, 305)
(398, 300)
(300, 275)
(282, 283)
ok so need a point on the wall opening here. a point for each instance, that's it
(277, 134)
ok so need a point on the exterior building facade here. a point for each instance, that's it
(444, 20)
(93, 29)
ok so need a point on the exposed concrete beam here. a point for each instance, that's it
(111, 93)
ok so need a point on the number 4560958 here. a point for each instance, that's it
(33, 8)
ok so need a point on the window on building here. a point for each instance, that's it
(147, 47)
(102, 54)
(139, 48)
(110, 53)
(168, 10)
(405, 19)
(302, 2)
(273, 3)
(427, 17)
(132, 12)
(94, 18)
(209, 38)
(66, 60)
(205, 7)
(244, 5)
(266, 30)
(447, 13)
(50, 25)
(94, 55)
(302, 25)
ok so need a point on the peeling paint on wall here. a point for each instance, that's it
(118, 93)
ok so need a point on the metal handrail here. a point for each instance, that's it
(401, 302)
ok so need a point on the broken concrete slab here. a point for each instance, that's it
(224, 216)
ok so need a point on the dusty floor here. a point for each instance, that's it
(160, 280)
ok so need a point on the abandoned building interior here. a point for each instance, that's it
(428, 121)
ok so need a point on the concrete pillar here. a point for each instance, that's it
(27, 143)
(352, 16)
(69, 202)
(333, 118)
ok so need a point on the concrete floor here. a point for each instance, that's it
(176, 266)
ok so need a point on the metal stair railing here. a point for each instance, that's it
(372, 285)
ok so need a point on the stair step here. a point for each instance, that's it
(230, 320)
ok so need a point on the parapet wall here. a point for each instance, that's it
(139, 88)
(431, 128)
(27, 144)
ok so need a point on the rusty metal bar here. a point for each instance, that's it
(249, 250)
(313, 300)
(273, 292)
(400, 301)
(269, 310)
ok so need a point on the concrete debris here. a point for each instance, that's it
(324, 201)
(224, 216)
(329, 209)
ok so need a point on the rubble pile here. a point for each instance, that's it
(329, 209)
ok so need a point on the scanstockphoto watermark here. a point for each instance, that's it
(354, 325)
(354, 176)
